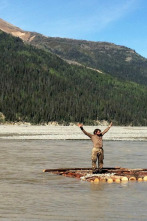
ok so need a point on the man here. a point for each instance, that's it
(97, 151)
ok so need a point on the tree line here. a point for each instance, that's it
(39, 87)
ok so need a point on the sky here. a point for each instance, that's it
(122, 22)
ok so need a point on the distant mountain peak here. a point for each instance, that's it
(15, 31)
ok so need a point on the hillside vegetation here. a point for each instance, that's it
(118, 61)
(37, 86)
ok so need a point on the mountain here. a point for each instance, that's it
(15, 31)
(37, 86)
(118, 61)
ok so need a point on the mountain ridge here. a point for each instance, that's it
(15, 31)
(119, 61)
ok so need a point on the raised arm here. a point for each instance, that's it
(86, 133)
(106, 130)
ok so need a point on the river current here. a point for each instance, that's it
(26, 193)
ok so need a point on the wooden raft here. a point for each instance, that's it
(114, 174)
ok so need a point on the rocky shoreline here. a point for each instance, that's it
(53, 132)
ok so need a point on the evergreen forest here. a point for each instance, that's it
(37, 86)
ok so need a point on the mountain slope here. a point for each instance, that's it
(15, 31)
(119, 61)
(37, 86)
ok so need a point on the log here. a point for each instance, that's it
(67, 169)
(109, 174)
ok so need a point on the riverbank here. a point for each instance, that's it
(56, 132)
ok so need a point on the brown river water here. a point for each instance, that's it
(26, 193)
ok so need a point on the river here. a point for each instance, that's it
(29, 194)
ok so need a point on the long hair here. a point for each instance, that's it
(96, 130)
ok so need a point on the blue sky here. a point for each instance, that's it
(122, 22)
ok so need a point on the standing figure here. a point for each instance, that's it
(97, 150)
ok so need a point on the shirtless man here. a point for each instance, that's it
(97, 151)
